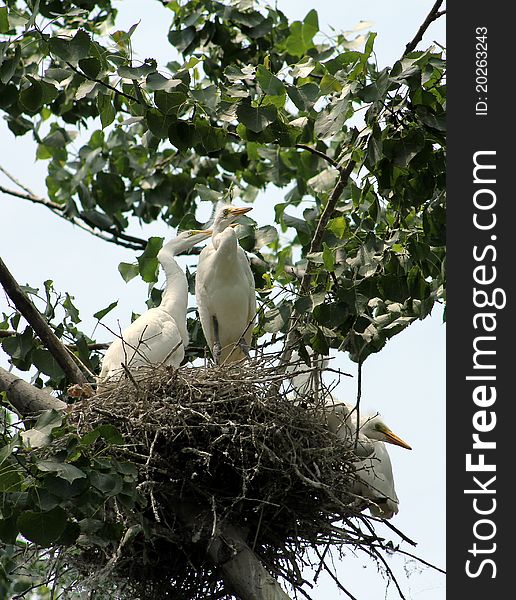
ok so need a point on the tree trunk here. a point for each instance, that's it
(243, 572)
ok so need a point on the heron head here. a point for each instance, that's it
(184, 241)
(375, 429)
(194, 236)
(227, 214)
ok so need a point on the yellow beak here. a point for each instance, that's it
(240, 211)
(202, 231)
(392, 438)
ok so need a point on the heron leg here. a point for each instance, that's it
(217, 348)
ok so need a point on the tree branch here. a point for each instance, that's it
(432, 16)
(320, 154)
(26, 398)
(107, 85)
(120, 239)
(326, 215)
(38, 323)
(242, 570)
(315, 246)
(31, 198)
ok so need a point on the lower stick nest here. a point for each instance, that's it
(216, 446)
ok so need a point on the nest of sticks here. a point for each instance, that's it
(218, 446)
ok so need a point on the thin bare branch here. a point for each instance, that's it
(32, 198)
(118, 238)
(320, 154)
(432, 16)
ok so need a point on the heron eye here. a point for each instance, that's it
(226, 212)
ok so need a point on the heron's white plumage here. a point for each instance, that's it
(374, 469)
(158, 336)
(225, 292)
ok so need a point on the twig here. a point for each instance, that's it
(335, 579)
(38, 323)
(359, 396)
(432, 16)
(320, 154)
(121, 239)
(105, 84)
(32, 198)
(16, 181)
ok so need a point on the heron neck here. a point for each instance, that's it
(225, 242)
(174, 300)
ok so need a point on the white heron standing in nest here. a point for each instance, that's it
(159, 335)
(225, 292)
(375, 479)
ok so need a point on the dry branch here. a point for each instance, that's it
(432, 16)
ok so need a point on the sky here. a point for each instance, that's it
(405, 382)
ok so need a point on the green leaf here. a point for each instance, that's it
(182, 135)
(102, 313)
(158, 123)
(128, 271)
(8, 530)
(42, 528)
(109, 190)
(301, 34)
(7, 450)
(256, 118)
(90, 66)
(63, 470)
(169, 103)
(277, 318)
(8, 67)
(72, 310)
(10, 477)
(338, 226)
(32, 96)
(147, 262)
(332, 118)
(324, 181)
(4, 20)
(106, 109)
(148, 67)
(182, 38)
(269, 83)
(71, 50)
(108, 483)
(156, 81)
(109, 433)
(18, 346)
(328, 258)
(46, 363)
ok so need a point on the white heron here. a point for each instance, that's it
(224, 288)
(159, 335)
(375, 479)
